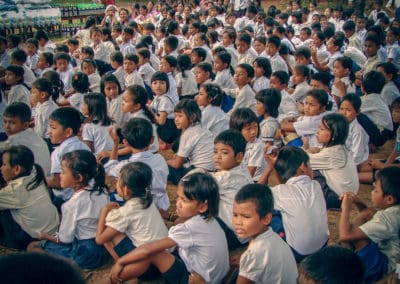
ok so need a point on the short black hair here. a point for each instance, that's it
(67, 117)
(271, 99)
(41, 34)
(62, 56)
(338, 126)
(353, 99)
(249, 69)
(303, 51)
(190, 108)
(117, 56)
(232, 138)
(240, 117)
(245, 37)
(172, 42)
(323, 77)
(275, 40)
(201, 52)
(260, 194)
(373, 82)
(172, 61)
(132, 57)
(20, 110)
(19, 55)
(17, 70)
(390, 180)
(282, 76)
(87, 50)
(138, 132)
(349, 26)
(289, 160)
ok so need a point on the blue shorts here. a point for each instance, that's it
(375, 262)
(125, 246)
(177, 273)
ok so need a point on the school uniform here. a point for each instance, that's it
(29, 76)
(44, 71)
(234, 54)
(41, 117)
(301, 91)
(390, 92)
(322, 54)
(357, 142)
(31, 62)
(154, 147)
(254, 157)
(114, 108)
(268, 128)
(5, 59)
(371, 64)
(307, 126)
(287, 107)
(163, 103)
(393, 53)
(19, 93)
(120, 74)
(244, 97)
(101, 52)
(127, 48)
(224, 79)
(214, 119)
(146, 71)
(248, 57)
(187, 84)
(66, 78)
(260, 83)
(278, 63)
(133, 78)
(76, 100)
(373, 106)
(351, 88)
(173, 89)
(98, 135)
(332, 58)
(94, 81)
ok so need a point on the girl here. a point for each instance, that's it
(259, 46)
(212, 117)
(84, 34)
(333, 164)
(185, 79)
(228, 41)
(203, 73)
(43, 98)
(206, 253)
(88, 67)
(344, 78)
(315, 104)
(108, 41)
(267, 106)
(76, 235)
(262, 73)
(201, 40)
(97, 124)
(101, 52)
(80, 83)
(25, 202)
(54, 78)
(194, 144)
(138, 221)
(390, 90)
(246, 122)
(19, 92)
(223, 70)
(300, 77)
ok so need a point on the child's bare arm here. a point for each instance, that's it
(114, 136)
(347, 232)
(243, 280)
(161, 118)
(103, 233)
(176, 162)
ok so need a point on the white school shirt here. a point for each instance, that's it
(31, 209)
(146, 71)
(97, 134)
(120, 74)
(202, 247)
(36, 144)
(234, 54)
(244, 97)
(357, 142)
(254, 157)
(224, 79)
(196, 145)
(69, 145)
(268, 127)
(332, 58)
(19, 93)
(268, 259)
(229, 183)
(133, 78)
(154, 147)
(248, 57)
(114, 108)
(94, 81)
(373, 106)
(173, 90)
(301, 91)
(393, 52)
(31, 61)
(214, 119)
(140, 225)
(110, 47)
(159, 169)
(76, 100)
(350, 87)
(66, 78)
(101, 52)
(163, 103)
(336, 164)
(278, 63)
(390, 92)
(42, 115)
(287, 107)
(260, 83)
(302, 205)
(322, 54)
(307, 126)
(44, 71)
(29, 76)
(127, 48)
(80, 216)
(187, 84)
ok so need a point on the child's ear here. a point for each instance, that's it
(68, 132)
(17, 170)
(390, 199)
(203, 207)
(267, 219)
(239, 157)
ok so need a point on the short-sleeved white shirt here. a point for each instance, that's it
(114, 108)
(19, 93)
(94, 81)
(268, 259)
(146, 71)
(268, 127)
(140, 225)
(214, 119)
(76, 101)
(42, 115)
(261, 83)
(307, 126)
(350, 87)
(66, 78)
(244, 97)
(248, 57)
(120, 74)
(288, 107)
(154, 147)
(202, 247)
(373, 106)
(254, 157)
(97, 134)
(101, 52)
(133, 78)
(302, 205)
(278, 63)
(188, 84)
(224, 79)
(357, 142)
(390, 92)
(301, 91)
(163, 103)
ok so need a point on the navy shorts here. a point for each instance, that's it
(125, 246)
(375, 262)
(178, 273)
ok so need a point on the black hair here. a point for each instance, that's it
(109, 78)
(117, 56)
(172, 61)
(88, 50)
(232, 138)
(201, 52)
(275, 40)
(204, 189)
(67, 117)
(242, 117)
(41, 34)
(303, 51)
(265, 65)
(82, 163)
(172, 42)
(373, 38)
(46, 86)
(282, 76)
(260, 194)
(206, 67)
(328, 31)
(304, 70)
(129, 31)
(373, 82)
(132, 57)
(137, 132)
(289, 160)
(54, 78)
(160, 76)
(245, 37)
(261, 39)
(248, 68)
(390, 180)
(144, 52)
(338, 126)
(271, 99)
(95, 30)
(184, 64)
(61, 48)
(323, 77)
(18, 71)
(349, 26)
(33, 41)
(149, 27)
(73, 41)
(347, 63)
(226, 58)
(97, 108)
(321, 35)
(20, 155)
(353, 99)
(19, 55)
(214, 92)
(307, 30)
(48, 56)
(321, 96)
(137, 177)
(139, 96)
(18, 109)
(390, 69)
(14, 39)
(90, 21)
(190, 108)
(61, 56)
(80, 82)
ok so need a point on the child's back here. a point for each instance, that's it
(98, 135)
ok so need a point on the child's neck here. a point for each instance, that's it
(242, 86)
(136, 151)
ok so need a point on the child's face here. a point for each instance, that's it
(197, 41)
(218, 64)
(202, 98)
(62, 65)
(225, 158)
(8, 171)
(67, 178)
(260, 108)
(36, 96)
(181, 120)
(246, 220)
(327, 12)
(57, 133)
(111, 90)
(330, 46)
(390, 37)
(258, 70)
(275, 83)
(360, 24)
(396, 114)
(378, 199)
(312, 106)
(271, 49)
(72, 47)
(250, 132)
(226, 40)
(127, 102)
(114, 34)
(159, 87)
(201, 75)
(96, 37)
(129, 66)
(126, 37)
(298, 77)
(259, 47)
(30, 49)
(165, 66)
(242, 46)
(370, 48)
(88, 68)
(323, 134)
(304, 36)
(339, 71)
(301, 60)
(241, 77)
(11, 79)
(195, 58)
(187, 208)
(347, 109)
(83, 55)
(13, 125)
(142, 60)
(315, 84)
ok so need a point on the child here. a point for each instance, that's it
(32, 46)
(209, 100)
(333, 164)
(301, 75)
(223, 70)
(246, 53)
(64, 126)
(206, 253)
(268, 258)
(231, 174)
(145, 68)
(228, 41)
(392, 46)
(43, 97)
(357, 141)
(101, 52)
(117, 63)
(19, 57)
(375, 233)
(268, 101)
(25, 202)
(44, 63)
(132, 77)
(97, 124)
(203, 73)
(138, 221)
(244, 96)
(14, 77)
(126, 47)
(343, 83)
(80, 84)
(390, 90)
(198, 55)
(89, 68)
(171, 46)
(262, 73)
(259, 46)
(300, 217)
(288, 106)
(334, 45)
(17, 117)
(185, 79)
(168, 64)
(194, 151)
(277, 62)
(75, 238)
(61, 62)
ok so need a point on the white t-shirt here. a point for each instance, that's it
(261, 83)
(114, 108)
(301, 91)
(224, 79)
(390, 92)
(244, 97)
(214, 119)
(94, 81)
(288, 107)
(120, 74)
(188, 84)
(97, 134)
(302, 205)
(373, 106)
(133, 78)
(278, 63)
(202, 247)
(146, 71)
(307, 126)
(76, 100)
(41, 116)
(19, 93)
(268, 127)
(254, 157)
(163, 103)
(357, 142)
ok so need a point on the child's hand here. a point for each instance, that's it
(114, 135)
(376, 164)
(271, 154)
(114, 273)
(102, 155)
(342, 87)
(195, 278)
(347, 200)
(43, 236)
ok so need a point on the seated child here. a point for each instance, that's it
(262, 73)
(375, 233)
(277, 62)
(246, 54)
(44, 63)
(14, 77)
(117, 63)
(301, 75)
(132, 76)
(89, 68)
(19, 57)
(81, 87)
(61, 62)
(268, 258)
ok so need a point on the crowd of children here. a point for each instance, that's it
(237, 93)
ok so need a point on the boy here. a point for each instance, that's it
(89, 68)
(138, 135)
(132, 77)
(45, 44)
(375, 233)
(371, 47)
(145, 69)
(246, 52)
(231, 174)
(171, 46)
(272, 48)
(64, 126)
(300, 216)
(305, 37)
(19, 57)
(61, 61)
(16, 119)
(126, 47)
(117, 63)
(268, 258)
(349, 29)
(322, 80)
(333, 46)
(32, 46)
(44, 63)
(302, 56)
(73, 50)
